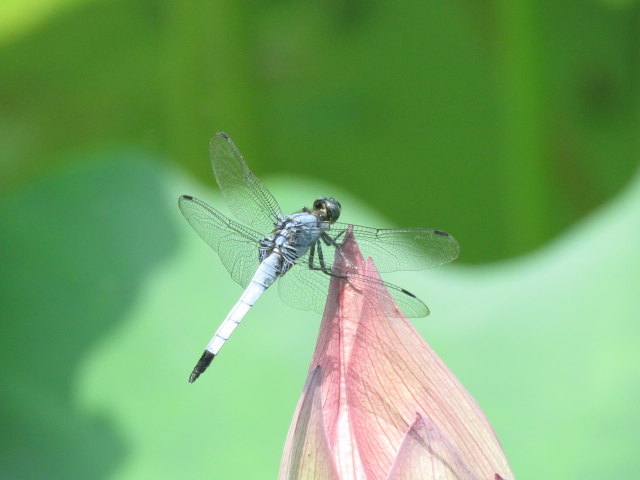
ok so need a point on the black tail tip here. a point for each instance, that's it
(201, 366)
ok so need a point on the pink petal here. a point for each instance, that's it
(377, 372)
(426, 454)
(333, 350)
(392, 374)
(307, 453)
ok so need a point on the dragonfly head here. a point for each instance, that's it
(327, 208)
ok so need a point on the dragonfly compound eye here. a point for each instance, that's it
(333, 209)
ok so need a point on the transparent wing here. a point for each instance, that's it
(307, 289)
(236, 245)
(394, 249)
(247, 198)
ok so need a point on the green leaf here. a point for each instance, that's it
(108, 298)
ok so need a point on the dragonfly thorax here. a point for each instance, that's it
(292, 238)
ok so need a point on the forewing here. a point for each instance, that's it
(246, 196)
(236, 245)
(394, 249)
(306, 288)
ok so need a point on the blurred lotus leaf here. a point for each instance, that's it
(112, 296)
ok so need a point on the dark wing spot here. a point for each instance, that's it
(408, 293)
(440, 232)
(224, 135)
(187, 197)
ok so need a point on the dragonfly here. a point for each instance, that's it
(299, 250)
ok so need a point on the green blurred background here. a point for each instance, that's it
(513, 125)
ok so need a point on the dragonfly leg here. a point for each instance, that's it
(331, 241)
(323, 267)
(312, 253)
